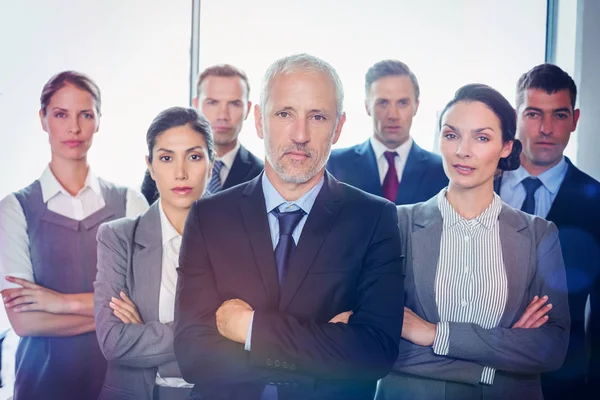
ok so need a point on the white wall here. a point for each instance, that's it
(138, 53)
(587, 77)
(446, 43)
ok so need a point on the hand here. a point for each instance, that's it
(33, 297)
(534, 315)
(233, 320)
(125, 309)
(416, 330)
(341, 318)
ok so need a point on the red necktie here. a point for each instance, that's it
(390, 182)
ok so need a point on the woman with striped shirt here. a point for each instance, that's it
(486, 298)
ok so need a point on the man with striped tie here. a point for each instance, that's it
(547, 184)
(223, 98)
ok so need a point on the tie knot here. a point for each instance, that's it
(217, 167)
(390, 156)
(531, 185)
(288, 220)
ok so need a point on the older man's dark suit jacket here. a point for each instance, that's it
(348, 258)
(576, 213)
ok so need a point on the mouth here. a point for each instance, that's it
(221, 129)
(73, 143)
(393, 128)
(545, 143)
(297, 155)
(463, 169)
(182, 190)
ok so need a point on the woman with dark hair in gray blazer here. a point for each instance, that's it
(486, 296)
(134, 291)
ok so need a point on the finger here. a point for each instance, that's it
(131, 311)
(19, 301)
(537, 315)
(540, 322)
(16, 293)
(23, 282)
(123, 310)
(28, 307)
(125, 305)
(531, 309)
(124, 318)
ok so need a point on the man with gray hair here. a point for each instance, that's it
(390, 164)
(309, 304)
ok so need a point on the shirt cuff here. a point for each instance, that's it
(487, 375)
(248, 343)
(441, 343)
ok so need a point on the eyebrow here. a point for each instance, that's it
(195, 148)
(474, 131)
(562, 109)
(64, 109)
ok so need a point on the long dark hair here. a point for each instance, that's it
(503, 110)
(165, 120)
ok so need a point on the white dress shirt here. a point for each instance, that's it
(470, 282)
(382, 163)
(227, 159)
(15, 257)
(171, 244)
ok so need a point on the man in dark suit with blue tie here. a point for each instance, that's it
(547, 184)
(291, 286)
(390, 164)
(224, 99)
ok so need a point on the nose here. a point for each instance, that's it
(300, 133)
(546, 126)
(463, 150)
(223, 111)
(393, 113)
(181, 170)
(74, 125)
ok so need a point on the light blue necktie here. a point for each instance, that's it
(214, 185)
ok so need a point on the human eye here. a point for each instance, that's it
(88, 115)
(449, 135)
(532, 114)
(60, 114)
(319, 117)
(165, 158)
(195, 157)
(562, 116)
(483, 139)
(283, 114)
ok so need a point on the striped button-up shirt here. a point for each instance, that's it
(470, 282)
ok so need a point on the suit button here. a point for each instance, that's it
(293, 367)
(277, 363)
(284, 365)
(269, 362)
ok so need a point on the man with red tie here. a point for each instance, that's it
(390, 164)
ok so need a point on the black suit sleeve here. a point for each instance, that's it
(367, 346)
(204, 356)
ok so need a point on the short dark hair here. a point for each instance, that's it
(549, 78)
(477, 92)
(77, 79)
(224, 70)
(180, 116)
(390, 68)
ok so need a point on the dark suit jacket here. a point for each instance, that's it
(347, 258)
(534, 266)
(576, 213)
(245, 166)
(423, 176)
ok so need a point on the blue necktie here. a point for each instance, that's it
(531, 185)
(286, 245)
(214, 185)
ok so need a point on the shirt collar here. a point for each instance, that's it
(229, 157)
(273, 199)
(379, 148)
(168, 230)
(551, 178)
(51, 186)
(487, 218)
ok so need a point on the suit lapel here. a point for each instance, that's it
(425, 248)
(516, 251)
(412, 176)
(366, 169)
(239, 169)
(254, 214)
(147, 264)
(318, 225)
(565, 191)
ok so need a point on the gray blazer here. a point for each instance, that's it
(534, 266)
(130, 259)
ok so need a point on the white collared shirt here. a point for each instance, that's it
(171, 244)
(227, 159)
(382, 163)
(15, 257)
